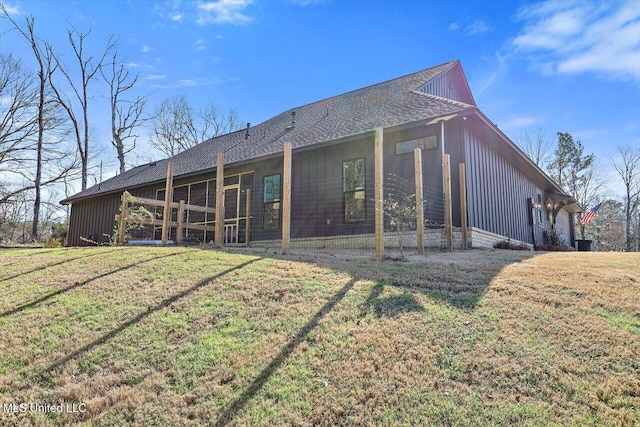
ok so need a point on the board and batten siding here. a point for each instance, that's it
(497, 192)
(450, 85)
(94, 219)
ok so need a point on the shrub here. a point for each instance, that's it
(52, 242)
(555, 239)
(556, 248)
(508, 244)
(59, 231)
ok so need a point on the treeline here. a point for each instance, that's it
(48, 113)
(616, 226)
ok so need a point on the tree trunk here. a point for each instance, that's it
(38, 178)
(628, 221)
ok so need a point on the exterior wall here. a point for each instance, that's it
(403, 166)
(497, 192)
(564, 226)
(91, 220)
(317, 190)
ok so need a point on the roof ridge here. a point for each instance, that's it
(449, 63)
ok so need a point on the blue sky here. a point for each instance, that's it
(557, 66)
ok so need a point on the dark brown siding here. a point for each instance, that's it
(403, 166)
(497, 191)
(92, 219)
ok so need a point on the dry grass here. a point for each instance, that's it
(153, 336)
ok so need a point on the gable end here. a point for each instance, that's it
(451, 84)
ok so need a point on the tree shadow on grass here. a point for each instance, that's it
(50, 295)
(42, 267)
(237, 405)
(46, 374)
(459, 278)
(392, 305)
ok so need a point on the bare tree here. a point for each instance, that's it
(175, 126)
(537, 146)
(126, 114)
(215, 123)
(628, 167)
(607, 228)
(78, 108)
(30, 119)
(18, 124)
(172, 126)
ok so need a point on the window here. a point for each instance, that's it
(353, 190)
(271, 200)
(426, 143)
(539, 206)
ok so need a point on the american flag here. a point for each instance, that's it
(589, 216)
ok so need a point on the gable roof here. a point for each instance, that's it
(394, 102)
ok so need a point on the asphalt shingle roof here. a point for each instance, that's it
(385, 104)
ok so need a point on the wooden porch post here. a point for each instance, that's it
(219, 224)
(379, 193)
(179, 228)
(463, 206)
(168, 197)
(417, 158)
(447, 202)
(286, 198)
(123, 218)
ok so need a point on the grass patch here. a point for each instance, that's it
(184, 336)
(622, 320)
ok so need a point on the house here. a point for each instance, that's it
(507, 195)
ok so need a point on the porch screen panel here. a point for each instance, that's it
(197, 196)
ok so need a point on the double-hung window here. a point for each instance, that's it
(271, 202)
(353, 189)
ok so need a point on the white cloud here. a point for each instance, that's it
(145, 49)
(187, 82)
(519, 122)
(193, 82)
(454, 26)
(176, 16)
(155, 77)
(223, 12)
(571, 37)
(477, 27)
(308, 2)
(12, 10)
(493, 74)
